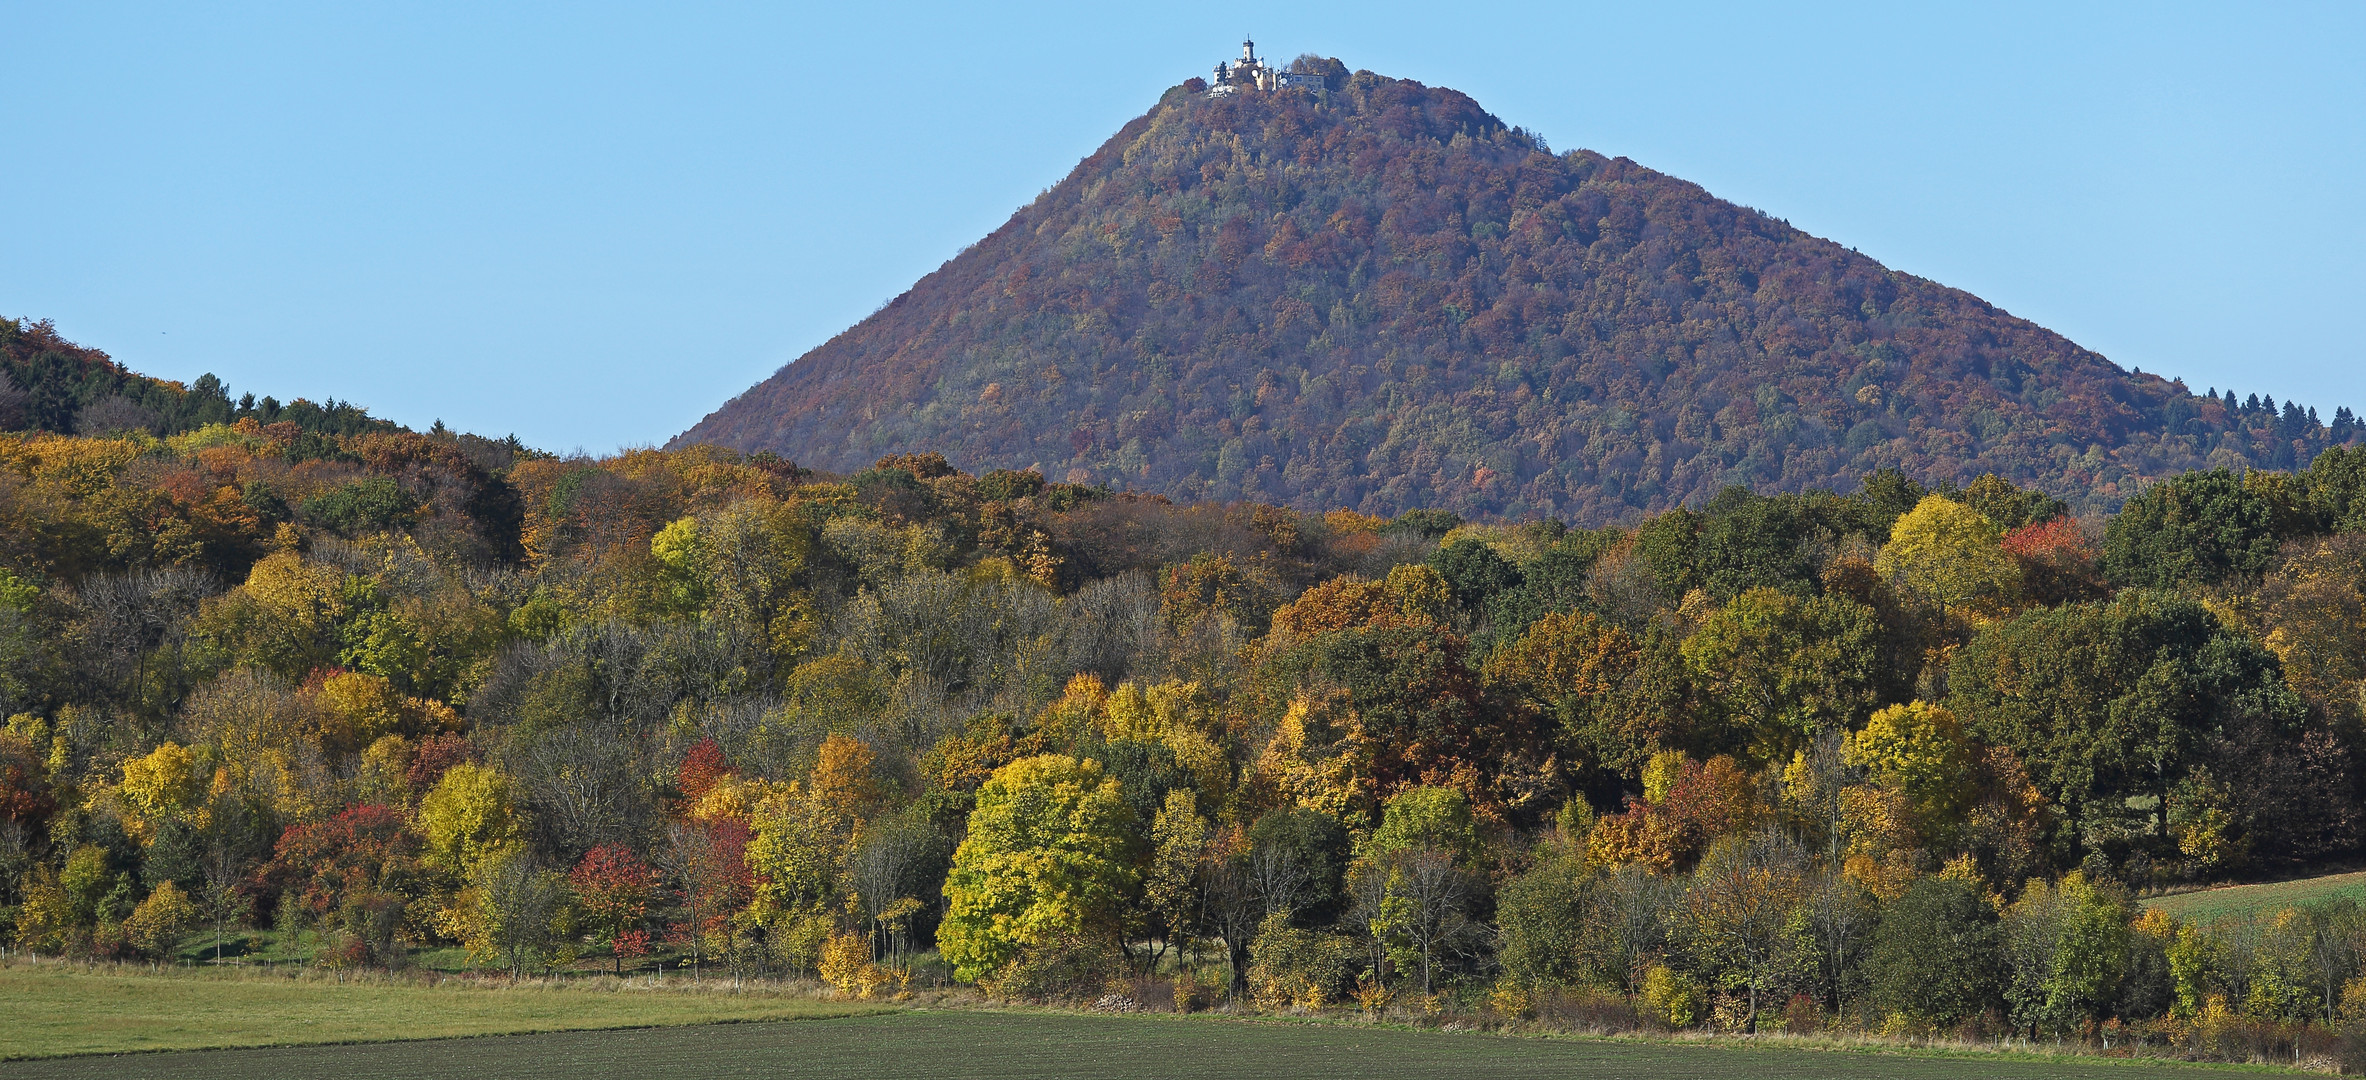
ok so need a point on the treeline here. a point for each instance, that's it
(1903, 755)
(50, 384)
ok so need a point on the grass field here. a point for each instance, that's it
(48, 1010)
(2247, 901)
(989, 1045)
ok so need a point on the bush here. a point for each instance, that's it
(1588, 1010)
(1802, 1016)
(367, 927)
(160, 920)
(1674, 996)
(1290, 966)
(1063, 970)
(1191, 994)
(846, 964)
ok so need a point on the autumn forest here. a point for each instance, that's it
(1905, 758)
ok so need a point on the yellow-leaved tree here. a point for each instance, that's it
(471, 814)
(158, 923)
(1918, 750)
(1950, 555)
(167, 785)
(1044, 862)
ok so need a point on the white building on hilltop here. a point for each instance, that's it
(1250, 73)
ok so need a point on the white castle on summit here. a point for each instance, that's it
(1251, 73)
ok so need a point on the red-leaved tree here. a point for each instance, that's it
(701, 768)
(363, 850)
(612, 885)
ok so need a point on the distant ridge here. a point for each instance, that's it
(1374, 294)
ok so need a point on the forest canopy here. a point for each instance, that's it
(399, 690)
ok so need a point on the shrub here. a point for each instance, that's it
(160, 920)
(1674, 996)
(1290, 966)
(1064, 969)
(846, 964)
(1588, 1010)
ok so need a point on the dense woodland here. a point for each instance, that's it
(1382, 297)
(1902, 756)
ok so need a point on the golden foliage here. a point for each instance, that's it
(1317, 759)
(1919, 751)
(167, 784)
(1951, 555)
(1563, 656)
(842, 777)
(846, 964)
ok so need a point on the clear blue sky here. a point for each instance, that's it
(590, 223)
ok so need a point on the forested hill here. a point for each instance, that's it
(1379, 296)
(50, 384)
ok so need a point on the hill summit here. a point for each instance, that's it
(1358, 291)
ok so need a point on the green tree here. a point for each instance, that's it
(2009, 507)
(1045, 860)
(1748, 541)
(682, 567)
(2065, 948)
(1738, 541)
(1474, 572)
(2199, 528)
(1296, 856)
(514, 905)
(1421, 857)
(1782, 669)
(370, 505)
(1541, 917)
(2108, 701)
(1934, 959)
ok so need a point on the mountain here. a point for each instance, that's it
(1374, 294)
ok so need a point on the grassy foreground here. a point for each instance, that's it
(2252, 901)
(49, 1010)
(979, 1045)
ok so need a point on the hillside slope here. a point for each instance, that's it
(1379, 296)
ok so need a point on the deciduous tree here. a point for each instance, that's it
(1046, 856)
(612, 886)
